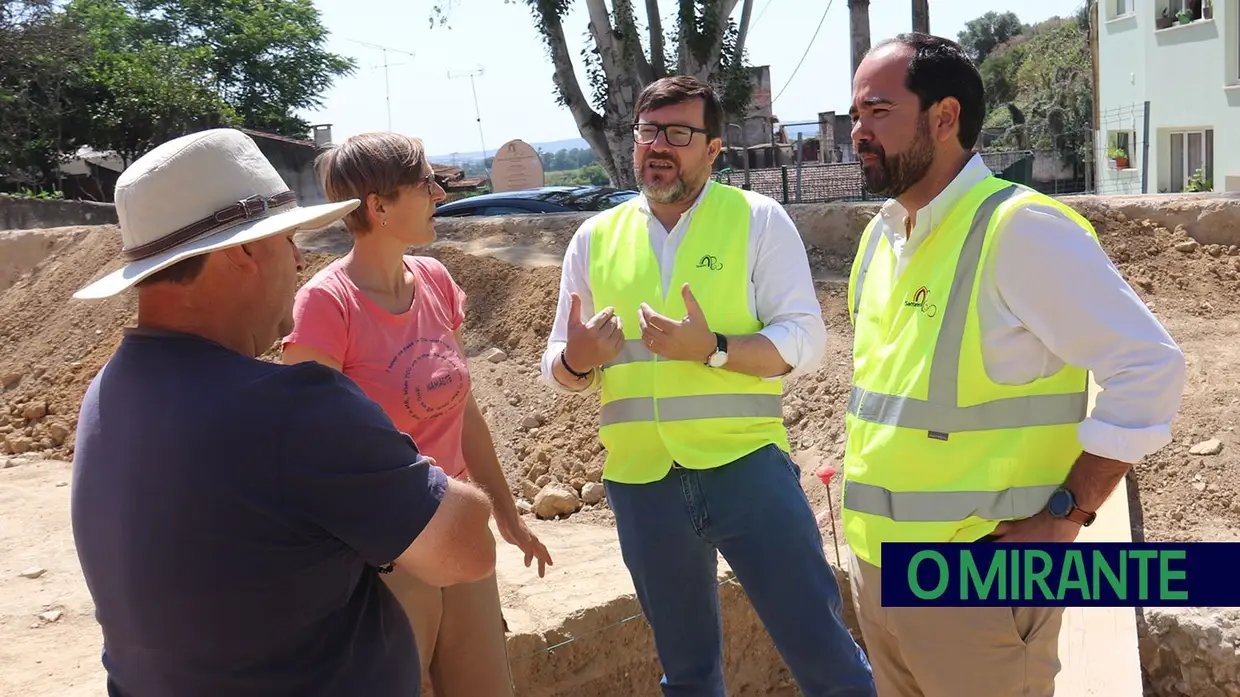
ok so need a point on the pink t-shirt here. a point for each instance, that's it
(410, 363)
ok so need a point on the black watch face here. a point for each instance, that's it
(1060, 503)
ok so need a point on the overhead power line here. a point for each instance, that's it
(821, 20)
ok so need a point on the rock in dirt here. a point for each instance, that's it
(592, 493)
(556, 499)
(1192, 651)
(1213, 446)
(34, 411)
(10, 379)
(531, 421)
(495, 355)
(51, 615)
(19, 444)
(58, 432)
(1187, 246)
(33, 572)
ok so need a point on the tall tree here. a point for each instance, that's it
(267, 59)
(982, 35)
(921, 16)
(141, 92)
(858, 30)
(41, 91)
(704, 42)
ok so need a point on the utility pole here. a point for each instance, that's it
(471, 74)
(921, 16)
(387, 89)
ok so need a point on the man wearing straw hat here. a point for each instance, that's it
(231, 515)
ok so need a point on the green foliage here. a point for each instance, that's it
(565, 159)
(592, 173)
(1039, 88)
(41, 91)
(1056, 90)
(1198, 181)
(125, 75)
(265, 58)
(142, 92)
(983, 35)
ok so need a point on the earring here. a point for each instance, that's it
(385, 222)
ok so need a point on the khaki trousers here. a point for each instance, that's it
(460, 635)
(955, 651)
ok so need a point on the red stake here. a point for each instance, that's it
(825, 474)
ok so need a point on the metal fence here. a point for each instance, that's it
(816, 182)
(1111, 157)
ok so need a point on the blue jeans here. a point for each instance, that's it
(753, 512)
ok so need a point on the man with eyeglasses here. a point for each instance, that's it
(688, 308)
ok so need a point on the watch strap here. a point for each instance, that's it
(1080, 516)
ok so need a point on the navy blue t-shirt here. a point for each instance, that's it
(230, 515)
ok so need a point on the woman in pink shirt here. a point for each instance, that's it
(392, 323)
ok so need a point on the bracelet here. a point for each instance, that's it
(564, 362)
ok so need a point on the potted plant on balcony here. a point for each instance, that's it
(1119, 156)
(1185, 16)
(1164, 20)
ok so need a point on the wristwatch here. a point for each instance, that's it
(720, 356)
(1062, 504)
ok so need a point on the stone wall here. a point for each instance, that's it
(29, 213)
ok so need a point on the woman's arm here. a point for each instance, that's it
(484, 470)
(296, 353)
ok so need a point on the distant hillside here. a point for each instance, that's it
(573, 143)
(547, 146)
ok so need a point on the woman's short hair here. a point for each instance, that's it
(370, 163)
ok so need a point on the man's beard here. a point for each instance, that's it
(675, 191)
(893, 178)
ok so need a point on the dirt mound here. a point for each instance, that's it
(51, 346)
(1168, 268)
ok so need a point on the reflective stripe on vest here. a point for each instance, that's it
(938, 417)
(654, 411)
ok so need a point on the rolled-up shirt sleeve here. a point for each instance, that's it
(574, 278)
(1064, 288)
(784, 296)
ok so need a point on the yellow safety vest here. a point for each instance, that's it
(655, 411)
(936, 451)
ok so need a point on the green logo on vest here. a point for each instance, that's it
(921, 301)
(710, 262)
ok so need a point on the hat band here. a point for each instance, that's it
(246, 209)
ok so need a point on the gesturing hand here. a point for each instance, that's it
(689, 339)
(594, 342)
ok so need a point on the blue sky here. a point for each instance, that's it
(515, 94)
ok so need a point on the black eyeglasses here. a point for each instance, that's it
(678, 135)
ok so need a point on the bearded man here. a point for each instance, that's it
(980, 307)
(687, 308)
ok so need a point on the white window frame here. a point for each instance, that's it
(1123, 8)
(1207, 139)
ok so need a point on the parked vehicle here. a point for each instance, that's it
(541, 201)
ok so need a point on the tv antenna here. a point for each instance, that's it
(471, 73)
(387, 90)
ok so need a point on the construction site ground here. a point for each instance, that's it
(578, 631)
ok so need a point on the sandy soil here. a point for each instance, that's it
(51, 346)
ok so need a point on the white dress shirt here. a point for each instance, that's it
(1050, 295)
(781, 287)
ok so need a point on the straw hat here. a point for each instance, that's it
(196, 194)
